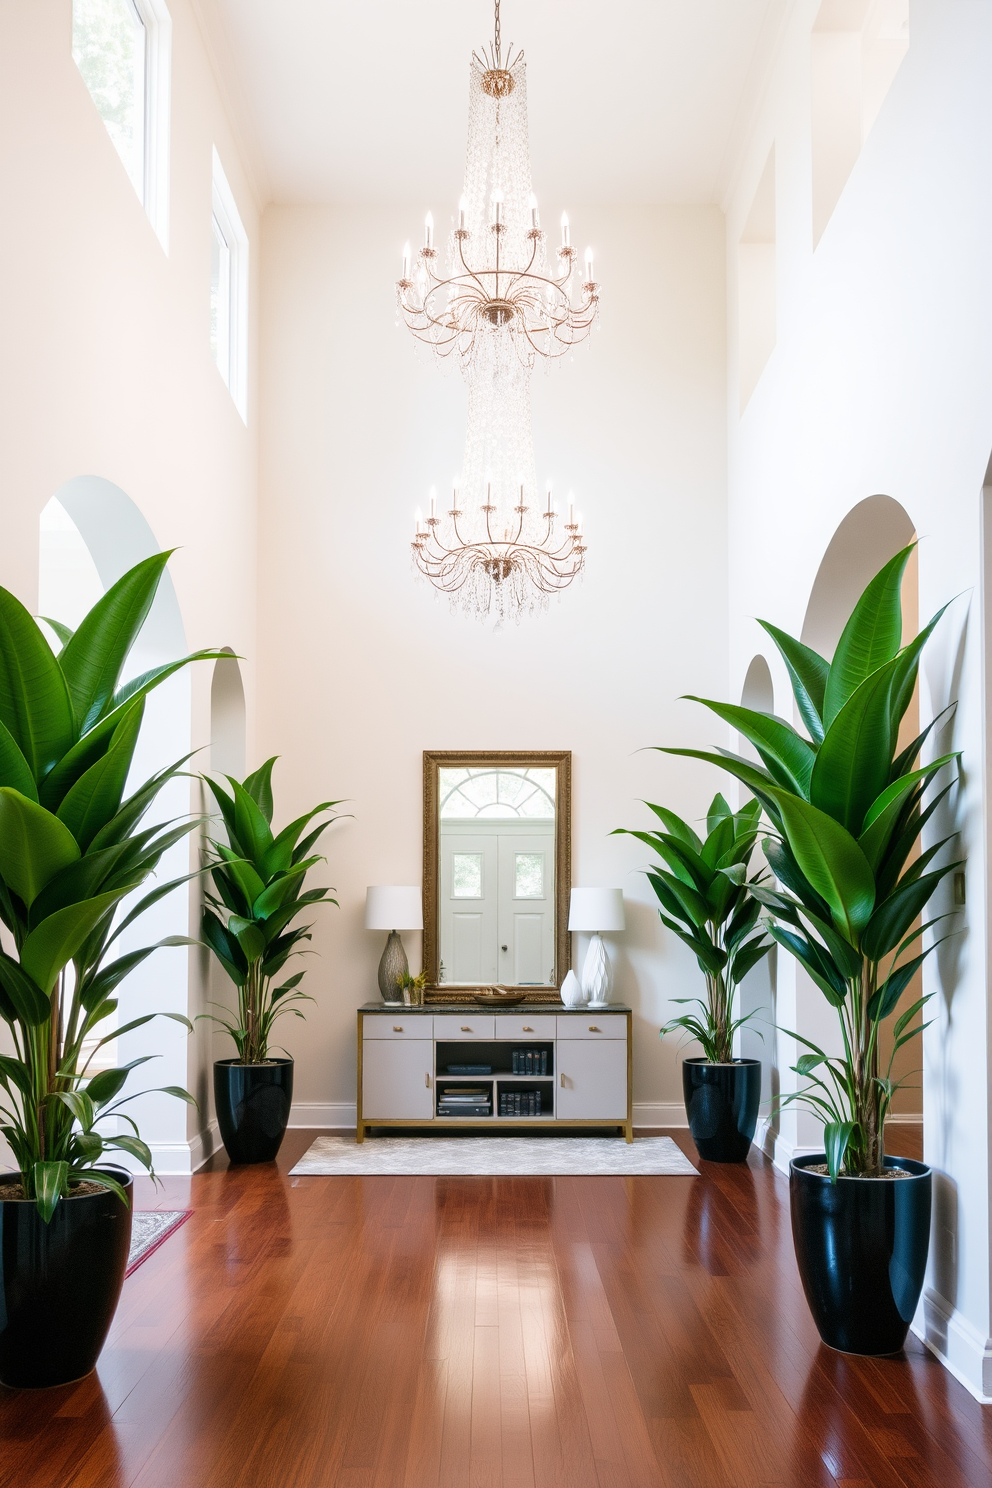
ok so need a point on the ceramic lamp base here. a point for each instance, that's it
(392, 966)
(597, 974)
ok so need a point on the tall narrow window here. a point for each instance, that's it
(229, 291)
(122, 50)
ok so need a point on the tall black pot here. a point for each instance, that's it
(721, 1102)
(861, 1244)
(60, 1283)
(253, 1103)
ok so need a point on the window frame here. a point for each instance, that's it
(224, 212)
(156, 23)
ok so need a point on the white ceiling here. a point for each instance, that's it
(365, 100)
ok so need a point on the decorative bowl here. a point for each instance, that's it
(498, 997)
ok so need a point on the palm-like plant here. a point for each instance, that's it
(70, 850)
(847, 807)
(259, 878)
(706, 901)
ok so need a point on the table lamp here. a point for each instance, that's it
(599, 911)
(392, 908)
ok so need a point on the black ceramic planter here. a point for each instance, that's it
(861, 1244)
(60, 1283)
(253, 1103)
(721, 1102)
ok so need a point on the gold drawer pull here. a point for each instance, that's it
(465, 1028)
(594, 1029)
(527, 1028)
(427, 1080)
(397, 1028)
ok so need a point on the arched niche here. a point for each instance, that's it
(227, 718)
(870, 534)
(91, 533)
(757, 994)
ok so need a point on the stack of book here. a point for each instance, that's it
(465, 1100)
(530, 1062)
(520, 1103)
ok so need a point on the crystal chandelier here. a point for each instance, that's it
(502, 549)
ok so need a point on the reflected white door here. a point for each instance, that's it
(526, 908)
(469, 896)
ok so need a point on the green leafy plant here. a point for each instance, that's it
(705, 900)
(71, 847)
(847, 808)
(415, 985)
(259, 880)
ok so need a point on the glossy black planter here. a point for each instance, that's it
(861, 1244)
(60, 1283)
(721, 1102)
(253, 1103)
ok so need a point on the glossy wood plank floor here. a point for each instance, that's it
(486, 1333)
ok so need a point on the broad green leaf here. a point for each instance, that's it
(870, 638)
(282, 854)
(14, 768)
(34, 702)
(787, 755)
(885, 1000)
(277, 894)
(79, 1103)
(820, 968)
(141, 685)
(718, 812)
(30, 1002)
(676, 826)
(780, 860)
(882, 816)
(50, 1181)
(100, 1176)
(62, 631)
(895, 914)
(720, 840)
(92, 659)
(34, 844)
(246, 879)
(259, 787)
(853, 764)
(832, 861)
(253, 830)
(249, 936)
(225, 947)
(808, 673)
(135, 1147)
(78, 880)
(836, 1136)
(96, 796)
(53, 943)
(748, 957)
(757, 780)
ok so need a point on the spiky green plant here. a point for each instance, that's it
(71, 848)
(847, 810)
(259, 881)
(704, 894)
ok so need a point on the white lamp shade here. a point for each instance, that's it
(596, 910)
(389, 907)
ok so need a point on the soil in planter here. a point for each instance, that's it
(76, 1190)
(878, 1178)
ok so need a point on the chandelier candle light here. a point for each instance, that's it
(495, 308)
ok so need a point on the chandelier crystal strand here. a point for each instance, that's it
(502, 549)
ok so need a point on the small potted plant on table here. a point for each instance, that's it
(846, 805)
(705, 901)
(249, 925)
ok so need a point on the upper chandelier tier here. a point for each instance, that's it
(497, 281)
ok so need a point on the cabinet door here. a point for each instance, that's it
(397, 1080)
(592, 1080)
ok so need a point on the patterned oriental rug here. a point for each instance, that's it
(149, 1230)
(482, 1157)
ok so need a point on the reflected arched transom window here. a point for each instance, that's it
(467, 794)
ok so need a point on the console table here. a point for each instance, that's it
(404, 1054)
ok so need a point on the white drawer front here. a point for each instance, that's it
(593, 1025)
(464, 1026)
(538, 1026)
(395, 1026)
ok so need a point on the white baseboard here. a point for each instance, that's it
(959, 1346)
(203, 1146)
(331, 1115)
(659, 1113)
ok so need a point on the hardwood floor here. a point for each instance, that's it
(486, 1333)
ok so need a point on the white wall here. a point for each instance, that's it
(107, 369)
(361, 667)
(881, 382)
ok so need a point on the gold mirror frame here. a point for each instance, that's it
(436, 760)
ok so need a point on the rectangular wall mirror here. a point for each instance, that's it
(497, 870)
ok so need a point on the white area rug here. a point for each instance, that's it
(606, 1157)
(149, 1228)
